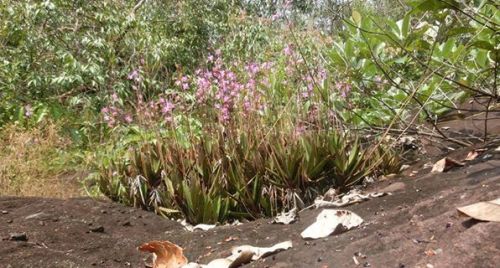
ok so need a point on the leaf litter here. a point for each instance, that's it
(352, 197)
(170, 255)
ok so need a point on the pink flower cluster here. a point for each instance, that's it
(296, 68)
(183, 82)
(166, 108)
(227, 93)
(114, 114)
(223, 83)
(253, 100)
(343, 88)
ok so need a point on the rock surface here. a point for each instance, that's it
(417, 226)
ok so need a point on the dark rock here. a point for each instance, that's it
(97, 229)
(18, 237)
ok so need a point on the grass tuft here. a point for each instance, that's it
(31, 163)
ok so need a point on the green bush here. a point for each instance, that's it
(78, 52)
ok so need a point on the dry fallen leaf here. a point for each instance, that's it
(260, 252)
(331, 221)
(483, 211)
(286, 217)
(353, 196)
(241, 255)
(471, 156)
(445, 164)
(201, 226)
(165, 254)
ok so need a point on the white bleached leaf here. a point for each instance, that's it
(351, 197)
(202, 227)
(286, 217)
(260, 252)
(331, 221)
(241, 255)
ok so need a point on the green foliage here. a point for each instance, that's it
(77, 52)
(430, 59)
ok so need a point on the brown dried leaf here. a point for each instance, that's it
(483, 211)
(445, 164)
(165, 254)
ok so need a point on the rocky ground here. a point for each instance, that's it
(416, 226)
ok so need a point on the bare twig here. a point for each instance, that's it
(137, 6)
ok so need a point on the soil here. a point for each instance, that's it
(416, 226)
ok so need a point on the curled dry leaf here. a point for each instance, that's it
(331, 221)
(165, 254)
(483, 211)
(445, 164)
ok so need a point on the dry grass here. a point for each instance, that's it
(28, 163)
